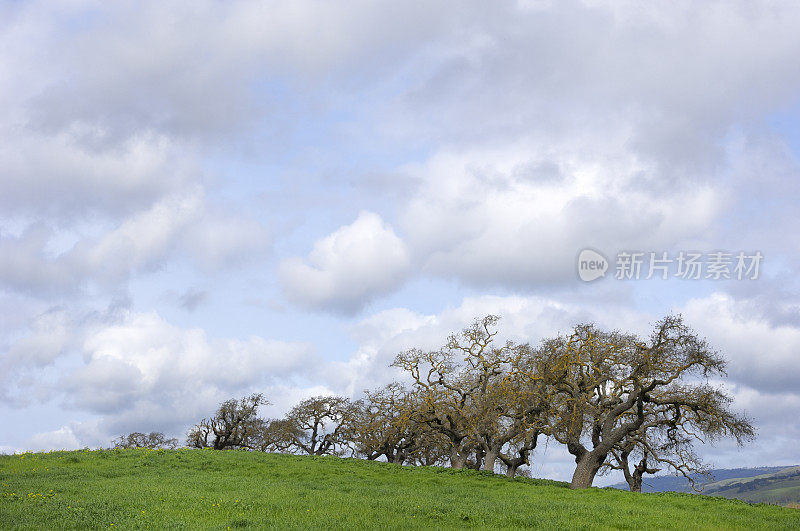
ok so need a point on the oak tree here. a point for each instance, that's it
(232, 426)
(318, 424)
(152, 440)
(609, 385)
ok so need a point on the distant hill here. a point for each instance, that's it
(779, 484)
(681, 484)
(782, 487)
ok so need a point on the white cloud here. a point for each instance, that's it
(134, 371)
(763, 355)
(776, 441)
(180, 224)
(50, 336)
(61, 439)
(518, 215)
(670, 75)
(138, 65)
(55, 175)
(349, 267)
(578, 124)
(142, 240)
(144, 366)
(28, 355)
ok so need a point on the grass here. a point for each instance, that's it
(190, 489)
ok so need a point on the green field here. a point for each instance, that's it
(207, 489)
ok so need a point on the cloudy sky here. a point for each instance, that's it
(203, 199)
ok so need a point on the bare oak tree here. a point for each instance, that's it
(232, 426)
(381, 425)
(151, 440)
(479, 394)
(607, 382)
(318, 424)
(675, 419)
(274, 435)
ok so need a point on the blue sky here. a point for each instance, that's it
(205, 199)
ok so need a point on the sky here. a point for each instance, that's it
(200, 200)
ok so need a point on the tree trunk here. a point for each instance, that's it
(626, 471)
(523, 452)
(636, 481)
(585, 471)
(457, 459)
(478, 459)
(490, 459)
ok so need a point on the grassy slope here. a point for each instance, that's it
(192, 488)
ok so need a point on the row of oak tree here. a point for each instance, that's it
(616, 401)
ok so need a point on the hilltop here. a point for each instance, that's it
(237, 489)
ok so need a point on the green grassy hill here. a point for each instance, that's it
(206, 489)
